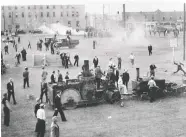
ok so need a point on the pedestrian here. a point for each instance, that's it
(54, 128)
(52, 47)
(76, 58)
(95, 61)
(19, 39)
(53, 79)
(40, 126)
(60, 77)
(44, 74)
(132, 57)
(126, 78)
(26, 77)
(116, 76)
(150, 49)
(15, 46)
(23, 52)
(119, 62)
(152, 88)
(29, 45)
(62, 59)
(94, 44)
(47, 46)
(67, 76)
(58, 106)
(37, 106)
(98, 75)
(18, 56)
(10, 89)
(6, 109)
(6, 49)
(179, 67)
(152, 70)
(66, 61)
(44, 90)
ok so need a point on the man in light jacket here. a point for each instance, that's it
(54, 128)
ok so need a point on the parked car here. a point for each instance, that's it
(21, 31)
(36, 31)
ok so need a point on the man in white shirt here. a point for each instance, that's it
(131, 57)
(40, 126)
(152, 87)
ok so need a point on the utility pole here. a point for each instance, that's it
(124, 14)
(103, 16)
(184, 34)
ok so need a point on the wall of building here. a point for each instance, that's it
(33, 16)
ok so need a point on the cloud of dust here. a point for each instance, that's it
(129, 38)
(59, 28)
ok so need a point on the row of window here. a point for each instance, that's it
(41, 14)
(41, 7)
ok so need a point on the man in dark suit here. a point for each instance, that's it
(26, 78)
(95, 61)
(53, 77)
(150, 49)
(76, 57)
(58, 106)
(10, 88)
(126, 78)
(44, 90)
(60, 77)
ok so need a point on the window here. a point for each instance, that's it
(29, 14)
(47, 7)
(41, 7)
(72, 14)
(69, 23)
(53, 14)
(170, 17)
(28, 7)
(77, 23)
(61, 14)
(16, 15)
(9, 7)
(67, 14)
(77, 14)
(152, 18)
(180, 17)
(10, 14)
(15, 7)
(163, 18)
(54, 7)
(41, 14)
(23, 15)
(48, 14)
(34, 6)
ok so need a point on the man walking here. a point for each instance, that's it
(53, 79)
(10, 88)
(152, 70)
(18, 56)
(119, 62)
(26, 78)
(150, 49)
(126, 78)
(76, 58)
(44, 90)
(29, 45)
(19, 39)
(44, 75)
(58, 106)
(95, 61)
(6, 48)
(98, 75)
(23, 52)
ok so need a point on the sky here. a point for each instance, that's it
(96, 6)
(135, 6)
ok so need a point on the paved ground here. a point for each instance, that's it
(164, 118)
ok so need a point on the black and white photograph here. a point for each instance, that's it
(93, 68)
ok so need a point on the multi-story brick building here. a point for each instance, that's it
(33, 16)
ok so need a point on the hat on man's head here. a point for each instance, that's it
(26, 68)
(41, 105)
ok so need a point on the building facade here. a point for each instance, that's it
(32, 16)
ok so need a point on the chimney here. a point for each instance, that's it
(138, 73)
